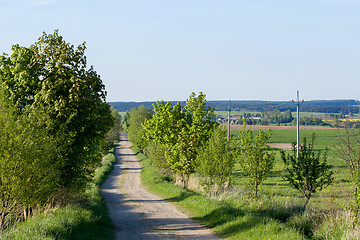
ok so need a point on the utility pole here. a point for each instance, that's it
(298, 104)
(229, 120)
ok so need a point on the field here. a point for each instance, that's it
(238, 127)
(225, 113)
(336, 195)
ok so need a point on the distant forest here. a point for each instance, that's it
(323, 106)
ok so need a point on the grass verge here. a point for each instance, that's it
(86, 220)
(227, 219)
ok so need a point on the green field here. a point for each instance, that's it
(302, 114)
(225, 113)
(335, 195)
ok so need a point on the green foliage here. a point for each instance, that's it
(228, 219)
(134, 121)
(312, 120)
(215, 161)
(275, 186)
(113, 134)
(276, 116)
(254, 158)
(72, 222)
(309, 172)
(277, 212)
(156, 154)
(106, 168)
(28, 173)
(52, 75)
(182, 131)
(88, 220)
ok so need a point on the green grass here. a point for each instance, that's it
(88, 220)
(228, 219)
(324, 137)
(274, 185)
(310, 114)
(276, 214)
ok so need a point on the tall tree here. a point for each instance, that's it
(181, 131)
(53, 75)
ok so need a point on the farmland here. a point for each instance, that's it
(337, 194)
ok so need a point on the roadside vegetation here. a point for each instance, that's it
(55, 128)
(83, 217)
(220, 195)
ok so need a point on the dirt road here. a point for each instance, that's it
(138, 214)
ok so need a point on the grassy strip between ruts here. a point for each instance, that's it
(88, 220)
(225, 219)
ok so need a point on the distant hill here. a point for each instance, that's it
(325, 106)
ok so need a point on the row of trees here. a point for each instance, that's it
(276, 117)
(320, 106)
(181, 131)
(54, 121)
(181, 141)
(313, 120)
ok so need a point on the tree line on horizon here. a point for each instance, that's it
(321, 106)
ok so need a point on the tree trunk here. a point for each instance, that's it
(307, 201)
(27, 212)
(186, 181)
(256, 188)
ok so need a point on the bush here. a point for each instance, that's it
(86, 219)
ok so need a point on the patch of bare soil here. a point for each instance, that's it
(138, 214)
(282, 146)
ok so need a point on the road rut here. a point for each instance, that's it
(138, 214)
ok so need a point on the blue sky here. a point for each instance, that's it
(230, 49)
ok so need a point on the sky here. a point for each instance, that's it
(230, 49)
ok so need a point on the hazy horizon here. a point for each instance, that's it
(245, 100)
